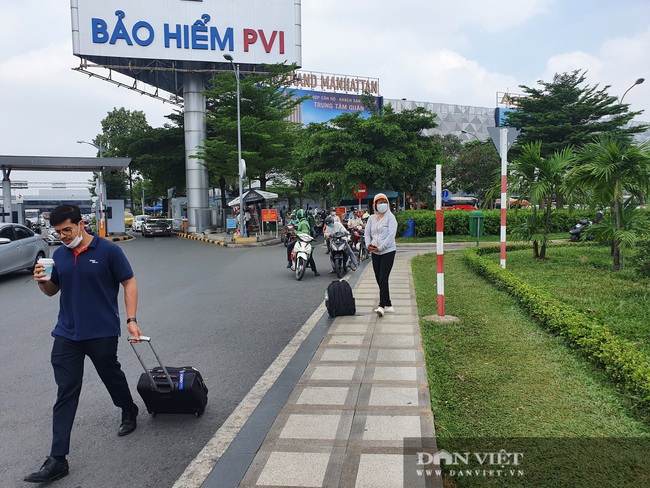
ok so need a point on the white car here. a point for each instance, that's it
(138, 221)
(20, 248)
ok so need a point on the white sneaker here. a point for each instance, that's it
(379, 311)
(389, 309)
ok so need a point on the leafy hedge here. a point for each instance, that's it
(620, 358)
(457, 221)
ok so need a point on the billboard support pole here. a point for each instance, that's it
(196, 172)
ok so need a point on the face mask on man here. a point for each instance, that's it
(75, 242)
(330, 225)
(382, 207)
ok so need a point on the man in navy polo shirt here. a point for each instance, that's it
(88, 272)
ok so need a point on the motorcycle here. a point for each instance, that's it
(576, 232)
(359, 243)
(35, 226)
(289, 234)
(301, 254)
(338, 244)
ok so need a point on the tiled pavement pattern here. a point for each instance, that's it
(364, 390)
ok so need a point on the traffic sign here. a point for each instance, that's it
(444, 193)
(360, 192)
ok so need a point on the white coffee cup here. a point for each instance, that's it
(48, 263)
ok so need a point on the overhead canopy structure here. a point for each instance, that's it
(254, 196)
(53, 163)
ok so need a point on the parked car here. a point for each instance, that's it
(138, 221)
(20, 248)
(128, 219)
(156, 227)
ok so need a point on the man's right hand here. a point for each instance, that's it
(39, 273)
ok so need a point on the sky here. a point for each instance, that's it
(424, 50)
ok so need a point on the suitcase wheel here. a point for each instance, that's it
(198, 413)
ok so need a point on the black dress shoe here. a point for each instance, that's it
(51, 470)
(129, 421)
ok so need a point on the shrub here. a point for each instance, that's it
(457, 221)
(640, 261)
(621, 360)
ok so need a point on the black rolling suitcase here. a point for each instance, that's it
(171, 389)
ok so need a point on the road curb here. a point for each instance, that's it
(119, 238)
(201, 239)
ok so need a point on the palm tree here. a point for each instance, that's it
(539, 179)
(615, 173)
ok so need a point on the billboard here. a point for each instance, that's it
(253, 32)
(324, 106)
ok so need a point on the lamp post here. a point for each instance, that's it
(101, 223)
(637, 82)
(235, 68)
(471, 134)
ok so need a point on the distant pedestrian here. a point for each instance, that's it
(380, 236)
(283, 214)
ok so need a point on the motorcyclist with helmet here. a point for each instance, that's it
(331, 228)
(302, 227)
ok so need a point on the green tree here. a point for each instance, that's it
(118, 126)
(386, 150)
(539, 178)
(158, 156)
(473, 169)
(566, 112)
(614, 173)
(266, 133)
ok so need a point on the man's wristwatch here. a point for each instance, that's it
(131, 319)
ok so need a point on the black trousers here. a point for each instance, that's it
(382, 264)
(68, 362)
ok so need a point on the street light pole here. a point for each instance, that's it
(101, 224)
(637, 82)
(235, 68)
(471, 134)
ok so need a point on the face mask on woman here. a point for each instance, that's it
(382, 207)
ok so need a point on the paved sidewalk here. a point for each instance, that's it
(364, 390)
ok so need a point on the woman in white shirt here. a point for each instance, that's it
(380, 237)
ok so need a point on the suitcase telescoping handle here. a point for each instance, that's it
(146, 370)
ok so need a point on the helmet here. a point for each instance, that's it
(300, 214)
(365, 216)
(329, 220)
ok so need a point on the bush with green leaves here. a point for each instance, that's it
(620, 358)
(640, 261)
(457, 221)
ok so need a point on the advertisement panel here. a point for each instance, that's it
(324, 106)
(251, 31)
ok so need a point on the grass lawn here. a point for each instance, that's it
(498, 374)
(581, 276)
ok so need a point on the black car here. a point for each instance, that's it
(156, 227)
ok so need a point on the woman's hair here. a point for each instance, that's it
(64, 212)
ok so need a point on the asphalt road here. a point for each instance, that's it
(227, 311)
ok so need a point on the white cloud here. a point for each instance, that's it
(617, 62)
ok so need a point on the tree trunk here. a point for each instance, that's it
(617, 256)
(535, 250)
